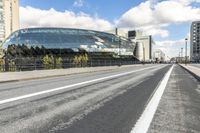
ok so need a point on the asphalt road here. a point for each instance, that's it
(179, 108)
(107, 105)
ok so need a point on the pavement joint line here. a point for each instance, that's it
(143, 123)
(69, 86)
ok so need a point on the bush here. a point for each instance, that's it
(2, 63)
(51, 62)
(59, 62)
(81, 60)
(12, 66)
(48, 62)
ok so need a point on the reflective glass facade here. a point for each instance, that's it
(74, 39)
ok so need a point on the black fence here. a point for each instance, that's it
(37, 64)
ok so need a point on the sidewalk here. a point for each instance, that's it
(28, 75)
(194, 70)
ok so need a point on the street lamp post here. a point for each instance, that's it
(119, 51)
(143, 54)
(186, 51)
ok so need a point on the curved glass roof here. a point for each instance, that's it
(51, 38)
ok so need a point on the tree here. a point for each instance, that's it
(81, 60)
(59, 62)
(48, 61)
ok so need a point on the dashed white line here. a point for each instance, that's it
(68, 86)
(145, 119)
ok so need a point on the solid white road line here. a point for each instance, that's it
(69, 86)
(145, 119)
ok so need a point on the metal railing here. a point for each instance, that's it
(12, 67)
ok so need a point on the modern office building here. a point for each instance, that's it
(139, 51)
(145, 42)
(195, 42)
(9, 18)
(59, 41)
(119, 32)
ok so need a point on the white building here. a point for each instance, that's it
(195, 41)
(144, 44)
(119, 32)
(159, 55)
(9, 17)
(140, 51)
(147, 42)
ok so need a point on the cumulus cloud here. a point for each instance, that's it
(158, 14)
(171, 47)
(33, 17)
(187, 2)
(154, 31)
(78, 3)
(170, 43)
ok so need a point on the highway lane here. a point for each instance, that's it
(111, 105)
(179, 108)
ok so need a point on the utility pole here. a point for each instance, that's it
(181, 55)
(143, 53)
(119, 51)
(186, 51)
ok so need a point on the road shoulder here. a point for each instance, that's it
(40, 74)
(179, 109)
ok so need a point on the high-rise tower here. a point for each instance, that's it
(9, 17)
(195, 41)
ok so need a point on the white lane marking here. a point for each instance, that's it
(69, 86)
(145, 119)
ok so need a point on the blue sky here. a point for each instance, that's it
(167, 20)
(107, 9)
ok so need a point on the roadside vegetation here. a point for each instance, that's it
(81, 60)
(1, 65)
(51, 62)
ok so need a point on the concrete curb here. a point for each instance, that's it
(193, 74)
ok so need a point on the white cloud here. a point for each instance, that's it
(158, 14)
(33, 17)
(154, 31)
(171, 47)
(187, 2)
(141, 15)
(170, 43)
(175, 12)
(78, 3)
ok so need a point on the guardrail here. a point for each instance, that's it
(39, 66)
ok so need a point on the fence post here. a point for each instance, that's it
(6, 64)
(35, 63)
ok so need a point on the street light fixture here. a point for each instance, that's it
(181, 55)
(119, 51)
(143, 54)
(186, 51)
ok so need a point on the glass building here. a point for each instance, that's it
(73, 40)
